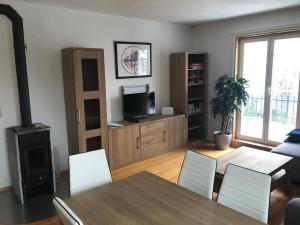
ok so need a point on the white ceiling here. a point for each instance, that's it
(178, 11)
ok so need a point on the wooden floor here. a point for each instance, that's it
(168, 166)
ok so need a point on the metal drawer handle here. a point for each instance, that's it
(138, 143)
(152, 125)
(153, 141)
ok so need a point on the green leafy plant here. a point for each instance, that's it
(231, 94)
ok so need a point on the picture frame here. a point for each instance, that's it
(133, 59)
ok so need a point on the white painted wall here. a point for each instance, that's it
(47, 31)
(216, 38)
(9, 105)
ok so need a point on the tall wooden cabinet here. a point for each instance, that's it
(84, 87)
(188, 86)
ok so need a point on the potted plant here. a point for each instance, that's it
(231, 94)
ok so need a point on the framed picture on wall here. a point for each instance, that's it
(132, 59)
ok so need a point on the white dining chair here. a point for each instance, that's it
(66, 215)
(198, 173)
(246, 191)
(88, 170)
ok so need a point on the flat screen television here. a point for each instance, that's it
(139, 105)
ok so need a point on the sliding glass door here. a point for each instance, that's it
(272, 66)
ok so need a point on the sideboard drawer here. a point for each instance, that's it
(152, 128)
(154, 144)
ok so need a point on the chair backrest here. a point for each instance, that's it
(88, 170)
(246, 191)
(66, 215)
(198, 173)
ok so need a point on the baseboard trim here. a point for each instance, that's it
(236, 143)
(5, 188)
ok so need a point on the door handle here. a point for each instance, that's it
(78, 116)
(164, 136)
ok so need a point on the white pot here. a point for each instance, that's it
(222, 141)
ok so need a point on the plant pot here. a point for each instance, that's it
(222, 141)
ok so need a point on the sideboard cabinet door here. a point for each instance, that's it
(124, 146)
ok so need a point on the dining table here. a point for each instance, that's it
(146, 199)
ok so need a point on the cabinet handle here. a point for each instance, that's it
(138, 143)
(164, 136)
(153, 141)
(78, 116)
(152, 125)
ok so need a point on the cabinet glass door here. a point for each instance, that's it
(90, 75)
(93, 143)
(92, 114)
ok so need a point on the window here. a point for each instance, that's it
(271, 63)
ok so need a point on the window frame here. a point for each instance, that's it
(238, 67)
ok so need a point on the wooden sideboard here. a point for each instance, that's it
(151, 137)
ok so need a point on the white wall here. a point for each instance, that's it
(47, 31)
(216, 38)
(9, 105)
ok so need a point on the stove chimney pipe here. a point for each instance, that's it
(20, 58)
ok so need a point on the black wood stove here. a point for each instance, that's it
(31, 163)
(29, 146)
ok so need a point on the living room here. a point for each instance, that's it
(50, 27)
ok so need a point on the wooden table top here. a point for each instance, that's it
(145, 199)
(254, 159)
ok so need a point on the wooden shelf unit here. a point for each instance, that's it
(84, 87)
(153, 136)
(188, 84)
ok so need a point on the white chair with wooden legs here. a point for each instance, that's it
(198, 173)
(246, 191)
(66, 215)
(88, 170)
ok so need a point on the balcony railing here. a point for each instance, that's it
(284, 108)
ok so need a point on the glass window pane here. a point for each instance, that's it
(285, 86)
(92, 114)
(93, 143)
(254, 69)
(89, 74)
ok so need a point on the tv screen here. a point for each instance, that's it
(136, 106)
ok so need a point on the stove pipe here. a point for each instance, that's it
(20, 59)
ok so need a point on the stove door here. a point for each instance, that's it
(37, 165)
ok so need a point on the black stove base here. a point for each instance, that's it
(36, 209)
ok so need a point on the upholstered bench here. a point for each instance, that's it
(293, 150)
